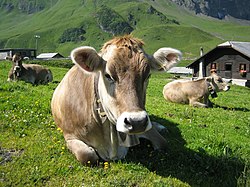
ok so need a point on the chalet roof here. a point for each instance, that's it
(242, 47)
(49, 55)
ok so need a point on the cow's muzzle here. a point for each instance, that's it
(133, 122)
(17, 68)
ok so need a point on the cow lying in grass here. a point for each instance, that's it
(31, 73)
(195, 92)
(100, 103)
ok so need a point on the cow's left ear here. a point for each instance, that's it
(8, 58)
(87, 58)
(165, 58)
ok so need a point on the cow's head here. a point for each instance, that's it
(218, 83)
(124, 73)
(17, 63)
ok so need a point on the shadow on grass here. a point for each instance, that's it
(230, 108)
(195, 168)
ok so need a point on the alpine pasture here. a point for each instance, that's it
(207, 146)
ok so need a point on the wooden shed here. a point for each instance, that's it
(231, 60)
(49, 56)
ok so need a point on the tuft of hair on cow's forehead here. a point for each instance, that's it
(125, 53)
(127, 40)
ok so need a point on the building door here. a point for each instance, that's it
(228, 70)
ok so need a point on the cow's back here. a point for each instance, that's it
(174, 92)
(37, 73)
(181, 91)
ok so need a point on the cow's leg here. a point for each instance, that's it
(31, 80)
(155, 138)
(84, 153)
(46, 79)
(207, 102)
(195, 103)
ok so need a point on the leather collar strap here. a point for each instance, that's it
(98, 105)
(212, 91)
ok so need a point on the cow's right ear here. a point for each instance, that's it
(87, 58)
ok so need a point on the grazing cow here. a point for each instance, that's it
(195, 92)
(31, 73)
(100, 103)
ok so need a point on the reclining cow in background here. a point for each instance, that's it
(100, 103)
(195, 92)
(31, 73)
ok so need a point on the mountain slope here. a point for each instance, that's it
(159, 23)
(218, 9)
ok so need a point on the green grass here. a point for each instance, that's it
(206, 147)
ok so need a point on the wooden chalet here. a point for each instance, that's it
(28, 53)
(231, 60)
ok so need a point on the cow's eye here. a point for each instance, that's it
(109, 78)
(220, 80)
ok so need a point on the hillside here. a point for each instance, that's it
(218, 9)
(63, 25)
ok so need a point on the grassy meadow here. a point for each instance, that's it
(206, 146)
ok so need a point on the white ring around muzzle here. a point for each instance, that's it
(133, 122)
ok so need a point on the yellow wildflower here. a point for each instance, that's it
(106, 165)
(59, 129)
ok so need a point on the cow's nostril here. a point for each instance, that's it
(136, 124)
(126, 121)
(145, 121)
(128, 124)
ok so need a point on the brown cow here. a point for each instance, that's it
(195, 92)
(100, 103)
(31, 73)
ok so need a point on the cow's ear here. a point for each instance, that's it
(165, 58)
(209, 79)
(8, 58)
(87, 58)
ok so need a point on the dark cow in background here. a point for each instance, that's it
(100, 103)
(195, 92)
(31, 73)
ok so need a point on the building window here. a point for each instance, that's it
(32, 53)
(243, 70)
(243, 66)
(24, 54)
(228, 67)
(213, 68)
